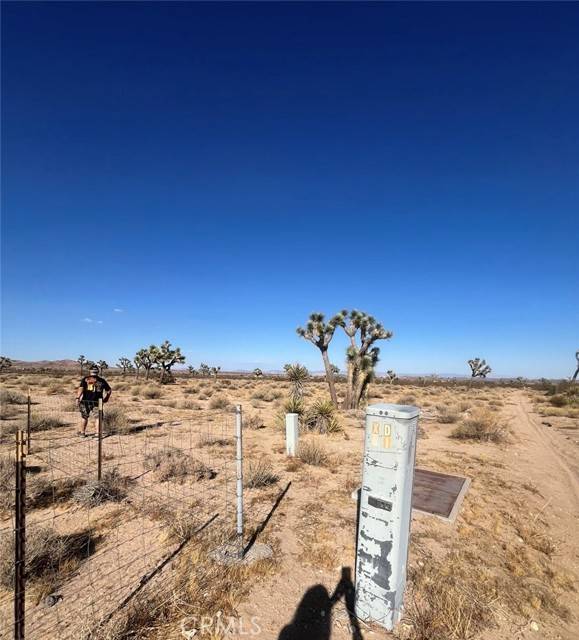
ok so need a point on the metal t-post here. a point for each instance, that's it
(100, 441)
(239, 485)
(20, 537)
(28, 421)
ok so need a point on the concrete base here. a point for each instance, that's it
(228, 554)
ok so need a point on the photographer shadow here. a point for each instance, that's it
(313, 617)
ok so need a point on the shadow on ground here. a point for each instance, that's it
(313, 617)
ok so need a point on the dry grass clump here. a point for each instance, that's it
(312, 452)
(8, 396)
(482, 425)
(447, 414)
(7, 469)
(406, 399)
(210, 440)
(111, 488)
(172, 464)
(321, 417)
(219, 402)
(189, 405)
(452, 598)
(150, 392)
(267, 395)
(49, 556)
(253, 422)
(259, 473)
(115, 420)
(44, 492)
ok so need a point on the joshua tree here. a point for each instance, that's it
(390, 376)
(205, 369)
(102, 365)
(192, 371)
(125, 364)
(138, 364)
(363, 331)
(146, 358)
(81, 361)
(257, 373)
(215, 371)
(166, 357)
(320, 334)
(297, 374)
(5, 363)
(577, 369)
(479, 368)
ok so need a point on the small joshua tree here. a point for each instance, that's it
(192, 371)
(390, 376)
(146, 358)
(5, 363)
(166, 357)
(205, 369)
(257, 373)
(81, 361)
(125, 364)
(577, 369)
(320, 334)
(102, 365)
(215, 371)
(297, 374)
(479, 368)
(362, 356)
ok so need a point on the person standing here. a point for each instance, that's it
(92, 388)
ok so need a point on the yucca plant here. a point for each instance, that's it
(321, 417)
(297, 374)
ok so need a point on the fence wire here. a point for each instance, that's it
(92, 543)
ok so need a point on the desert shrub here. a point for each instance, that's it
(210, 440)
(173, 464)
(39, 422)
(170, 404)
(294, 405)
(463, 406)
(259, 474)
(8, 396)
(447, 415)
(219, 402)
(312, 452)
(559, 400)
(151, 392)
(189, 405)
(115, 420)
(111, 488)
(7, 469)
(55, 389)
(190, 390)
(253, 422)
(267, 395)
(481, 425)
(321, 417)
(44, 492)
(407, 399)
(48, 554)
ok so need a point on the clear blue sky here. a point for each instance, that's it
(217, 172)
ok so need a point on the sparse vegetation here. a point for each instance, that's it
(312, 452)
(482, 425)
(111, 488)
(173, 464)
(259, 473)
(321, 417)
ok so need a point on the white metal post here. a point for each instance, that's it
(291, 433)
(239, 461)
(385, 512)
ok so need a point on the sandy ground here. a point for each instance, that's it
(516, 531)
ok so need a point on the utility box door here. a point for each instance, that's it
(385, 511)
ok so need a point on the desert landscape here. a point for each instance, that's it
(506, 568)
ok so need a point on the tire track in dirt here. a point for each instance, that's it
(549, 456)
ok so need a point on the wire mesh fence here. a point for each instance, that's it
(87, 520)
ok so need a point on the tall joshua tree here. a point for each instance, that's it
(390, 376)
(125, 364)
(478, 368)
(81, 361)
(102, 365)
(146, 358)
(362, 356)
(5, 363)
(166, 357)
(577, 369)
(320, 334)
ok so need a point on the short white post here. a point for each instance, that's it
(291, 433)
(239, 461)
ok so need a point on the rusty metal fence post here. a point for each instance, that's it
(20, 536)
(239, 486)
(100, 440)
(28, 421)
